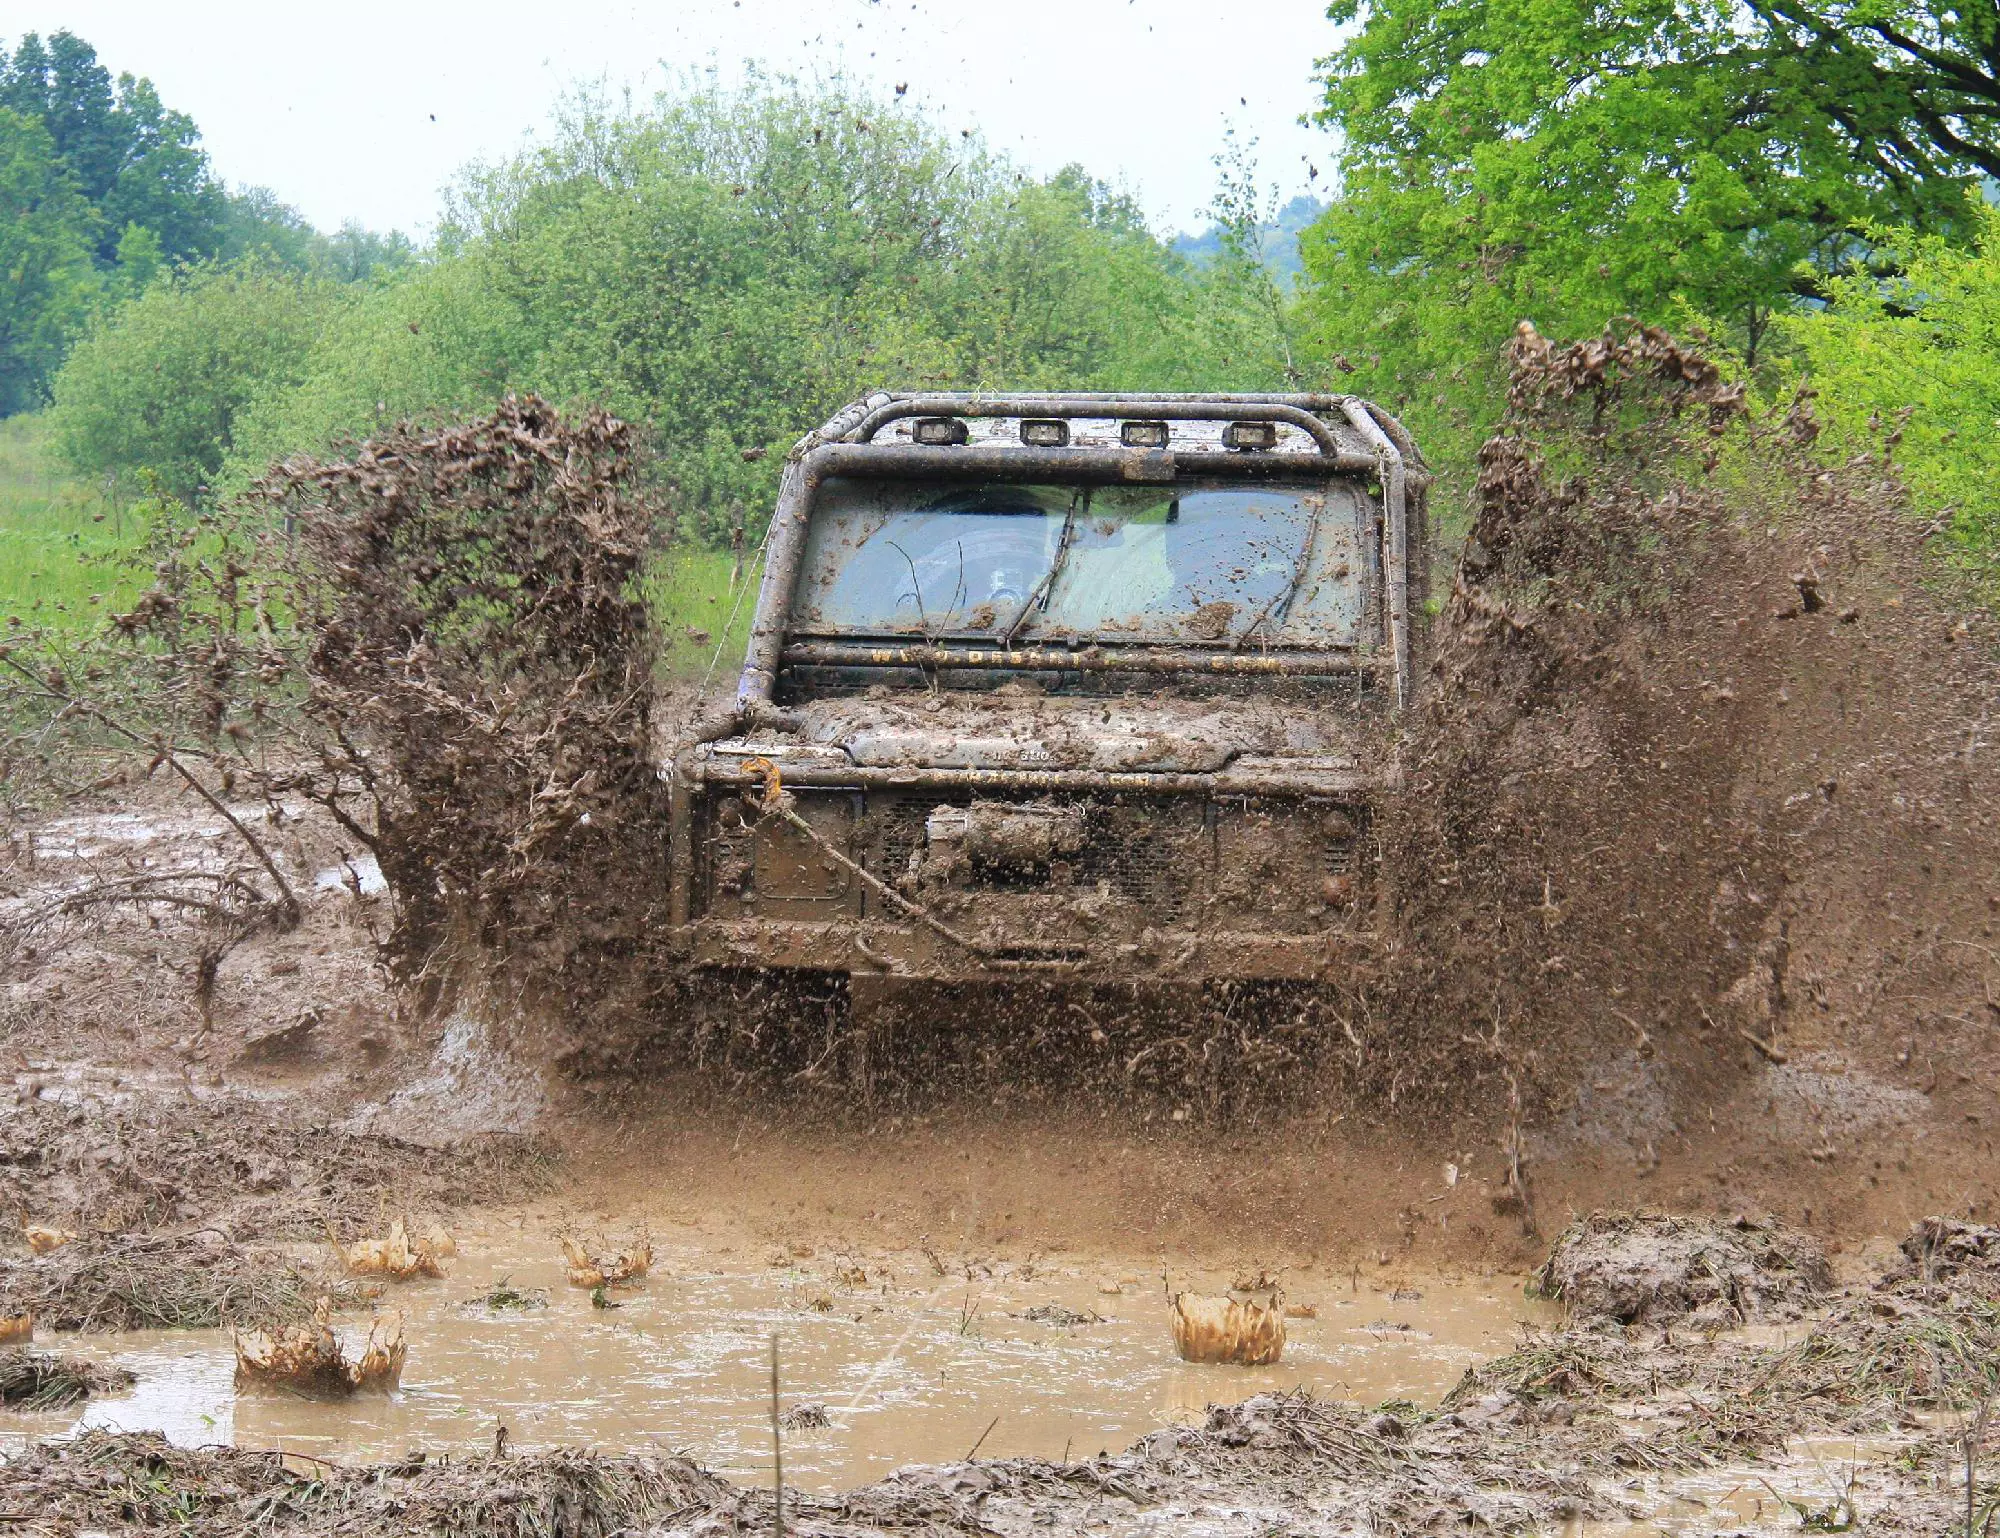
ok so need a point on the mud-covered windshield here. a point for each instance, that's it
(1270, 565)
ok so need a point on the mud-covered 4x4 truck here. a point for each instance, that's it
(1084, 685)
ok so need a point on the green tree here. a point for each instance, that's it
(729, 266)
(1917, 356)
(157, 383)
(1567, 162)
(1914, 84)
(133, 158)
(355, 254)
(129, 175)
(61, 84)
(141, 258)
(47, 229)
(164, 181)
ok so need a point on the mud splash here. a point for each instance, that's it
(1699, 794)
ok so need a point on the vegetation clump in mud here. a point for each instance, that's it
(38, 1380)
(171, 1281)
(1654, 1268)
(142, 1483)
(1955, 1252)
(180, 1203)
(146, 1159)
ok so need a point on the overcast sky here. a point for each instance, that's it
(366, 109)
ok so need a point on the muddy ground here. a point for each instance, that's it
(202, 1151)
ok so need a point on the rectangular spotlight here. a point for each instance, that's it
(938, 432)
(1250, 435)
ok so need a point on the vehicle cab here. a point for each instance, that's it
(1082, 684)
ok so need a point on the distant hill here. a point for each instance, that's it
(1280, 240)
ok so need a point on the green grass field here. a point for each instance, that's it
(66, 547)
(699, 612)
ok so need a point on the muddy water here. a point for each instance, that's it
(1820, 1484)
(911, 1365)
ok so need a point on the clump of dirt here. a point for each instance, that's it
(1655, 1268)
(175, 1281)
(142, 1483)
(179, 1200)
(1882, 1354)
(150, 1156)
(38, 1380)
(1954, 1252)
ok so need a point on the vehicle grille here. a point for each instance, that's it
(1249, 862)
(1156, 853)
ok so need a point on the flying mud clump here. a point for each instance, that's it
(480, 680)
(1246, 1333)
(310, 1359)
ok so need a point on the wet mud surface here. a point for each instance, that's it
(899, 1256)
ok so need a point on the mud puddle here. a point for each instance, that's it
(908, 1365)
(1820, 1484)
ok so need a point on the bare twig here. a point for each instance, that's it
(777, 1451)
(289, 906)
(1764, 1048)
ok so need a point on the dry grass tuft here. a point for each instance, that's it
(159, 1281)
(36, 1380)
(140, 1483)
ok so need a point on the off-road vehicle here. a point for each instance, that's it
(1086, 685)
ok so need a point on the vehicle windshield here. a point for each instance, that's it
(1205, 564)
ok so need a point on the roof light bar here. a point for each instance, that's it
(938, 432)
(1045, 432)
(1143, 435)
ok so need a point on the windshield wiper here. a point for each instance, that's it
(1281, 602)
(1041, 590)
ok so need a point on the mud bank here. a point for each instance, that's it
(182, 1207)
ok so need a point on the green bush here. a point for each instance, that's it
(728, 267)
(157, 383)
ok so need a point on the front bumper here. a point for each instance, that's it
(1183, 878)
(899, 951)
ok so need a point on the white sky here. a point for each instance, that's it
(365, 109)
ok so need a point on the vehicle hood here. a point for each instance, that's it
(1009, 730)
